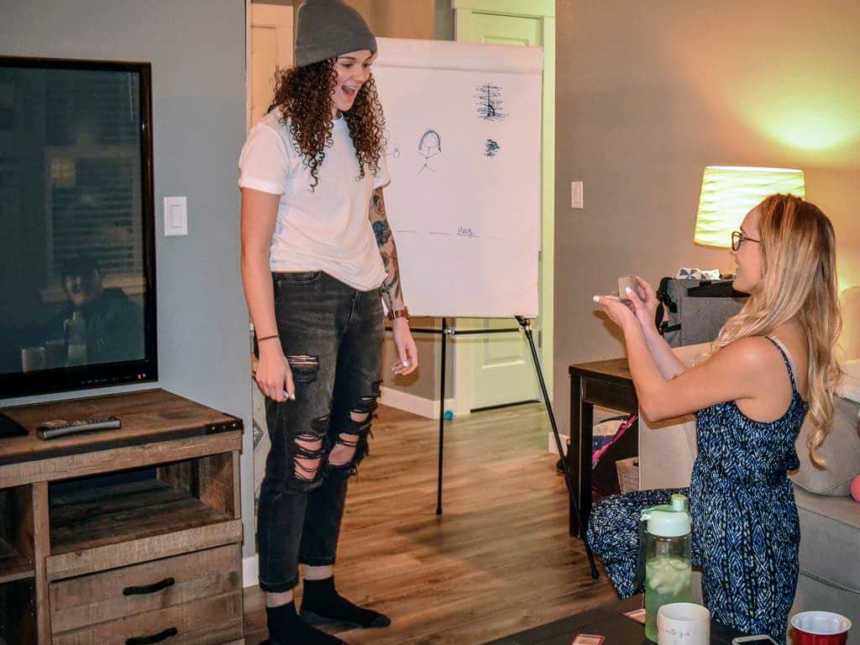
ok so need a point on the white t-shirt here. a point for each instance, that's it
(322, 230)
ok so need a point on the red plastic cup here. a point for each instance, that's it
(819, 628)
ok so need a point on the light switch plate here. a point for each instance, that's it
(576, 194)
(175, 216)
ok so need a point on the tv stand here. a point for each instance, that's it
(150, 555)
(10, 428)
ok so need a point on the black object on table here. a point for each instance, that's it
(608, 621)
(610, 385)
(10, 428)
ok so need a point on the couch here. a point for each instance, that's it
(829, 518)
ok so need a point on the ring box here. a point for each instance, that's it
(623, 283)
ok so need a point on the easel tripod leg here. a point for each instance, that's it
(441, 419)
(568, 479)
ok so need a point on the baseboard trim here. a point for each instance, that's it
(250, 571)
(427, 408)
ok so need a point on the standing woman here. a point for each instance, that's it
(318, 259)
(773, 365)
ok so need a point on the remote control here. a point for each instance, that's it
(61, 428)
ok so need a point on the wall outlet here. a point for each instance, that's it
(576, 194)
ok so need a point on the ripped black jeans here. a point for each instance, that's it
(332, 336)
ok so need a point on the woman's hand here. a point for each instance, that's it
(644, 301)
(273, 374)
(407, 352)
(619, 311)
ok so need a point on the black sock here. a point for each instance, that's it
(321, 603)
(287, 628)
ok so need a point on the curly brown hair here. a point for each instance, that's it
(303, 95)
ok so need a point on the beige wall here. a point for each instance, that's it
(648, 93)
(411, 19)
(425, 381)
(362, 6)
(423, 19)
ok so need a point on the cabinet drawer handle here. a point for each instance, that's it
(156, 586)
(155, 638)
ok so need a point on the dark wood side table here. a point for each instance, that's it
(607, 384)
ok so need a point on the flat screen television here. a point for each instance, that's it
(77, 242)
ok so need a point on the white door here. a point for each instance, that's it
(497, 369)
(271, 49)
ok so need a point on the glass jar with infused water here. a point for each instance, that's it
(668, 568)
(76, 339)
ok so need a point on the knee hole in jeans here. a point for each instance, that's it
(309, 450)
(344, 449)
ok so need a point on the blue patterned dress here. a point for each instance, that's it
(745, 527)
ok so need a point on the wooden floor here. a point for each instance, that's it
(498, 561)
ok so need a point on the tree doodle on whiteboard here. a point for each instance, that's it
(489, 103)
(429, 146)
(491, 148)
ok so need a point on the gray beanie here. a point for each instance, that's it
(329, 28)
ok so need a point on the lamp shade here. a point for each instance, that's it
(730, 192)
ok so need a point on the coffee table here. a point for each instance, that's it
(606, 620)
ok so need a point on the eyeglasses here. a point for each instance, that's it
(739, 238)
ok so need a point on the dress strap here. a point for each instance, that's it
(786, 356)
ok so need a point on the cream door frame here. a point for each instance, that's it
(543, 10)
(280, 19)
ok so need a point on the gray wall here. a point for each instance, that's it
(197, 51)
(648, 93)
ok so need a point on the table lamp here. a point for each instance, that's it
(730, 192)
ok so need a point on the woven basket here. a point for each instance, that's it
(628, 474)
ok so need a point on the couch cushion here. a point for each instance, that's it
(841, 452)
(829, 538)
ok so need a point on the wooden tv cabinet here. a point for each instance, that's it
(129, 536)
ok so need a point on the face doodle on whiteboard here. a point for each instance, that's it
(491, 148)
(489, 103)
(429, 146)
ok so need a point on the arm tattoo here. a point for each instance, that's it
(392, 293)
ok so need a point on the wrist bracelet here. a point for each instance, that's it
(260, 340)
(398, 313)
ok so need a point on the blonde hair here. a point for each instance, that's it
(798, 282)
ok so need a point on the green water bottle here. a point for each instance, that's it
(76, 340)
(668, 568)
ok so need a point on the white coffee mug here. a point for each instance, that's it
(32, 359)
(683, 623)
